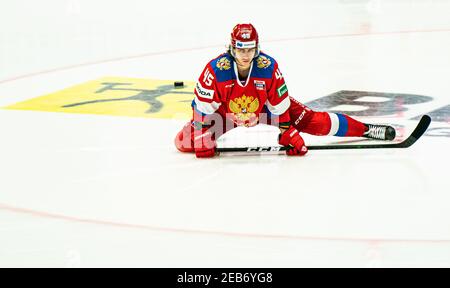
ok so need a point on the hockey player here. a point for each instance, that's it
(245, 87)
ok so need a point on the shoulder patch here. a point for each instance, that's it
(223, 64)
(222, 67)
(264, 66)
(263, 62)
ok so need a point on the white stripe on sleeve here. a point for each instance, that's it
(205, 107)
(280, 108)
(334, 124)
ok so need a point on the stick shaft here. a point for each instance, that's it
(421, 128)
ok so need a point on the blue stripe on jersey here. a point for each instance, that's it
(226, 75)
(267, 111)
(343, 125)
(265, 73)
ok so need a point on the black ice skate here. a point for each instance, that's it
(380, 132)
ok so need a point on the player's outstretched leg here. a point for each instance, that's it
(341, 125)
(335, 124)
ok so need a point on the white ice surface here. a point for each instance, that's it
(87, 190)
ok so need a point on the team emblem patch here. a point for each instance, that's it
(263, 62)
(244, 109)
(223, 64)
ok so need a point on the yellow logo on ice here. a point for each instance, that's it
(118, 97)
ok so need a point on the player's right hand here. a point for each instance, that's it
(204, 144)
(292, 138)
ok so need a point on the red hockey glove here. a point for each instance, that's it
(184, 140)
(204, 144)
(292, 138)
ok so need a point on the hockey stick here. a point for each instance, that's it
(421, 128)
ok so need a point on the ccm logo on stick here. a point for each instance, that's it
(263, 149)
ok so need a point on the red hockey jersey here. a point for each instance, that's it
(219, 90)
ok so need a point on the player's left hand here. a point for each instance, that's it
(292, 138)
